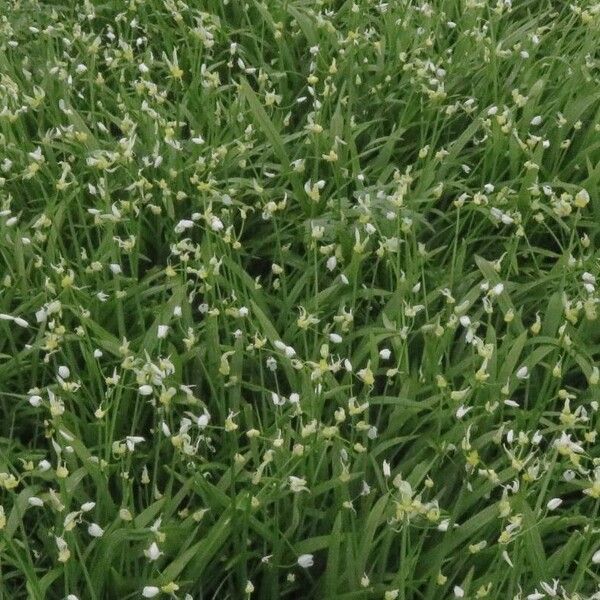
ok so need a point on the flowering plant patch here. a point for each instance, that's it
(298, 299)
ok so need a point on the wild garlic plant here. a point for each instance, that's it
(299, 299)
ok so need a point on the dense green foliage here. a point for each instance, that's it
(298, 299)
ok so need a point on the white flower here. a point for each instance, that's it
(183, 225)
(537, 120)
(506, 557)
(552, 591)
(95, 530)
(566, 444)
(498, 289)
(203, 420)
(554, 503)
(462, 411)
(444, 524)
(589, 288)
(35, 400)
(17, 320)
(385, 354)
(87, 506)
(335, 338)
(153, 552)
(216, 224)
(277, 399)
(132, 440)
(458, 591)
(145, 390)
(162, 331)
(582, 198)
(150, 591)
(387, 471)
(523, 373)
(297, 484)
(64, 372)
(35, 501)
(596, 557)
(305, 561)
